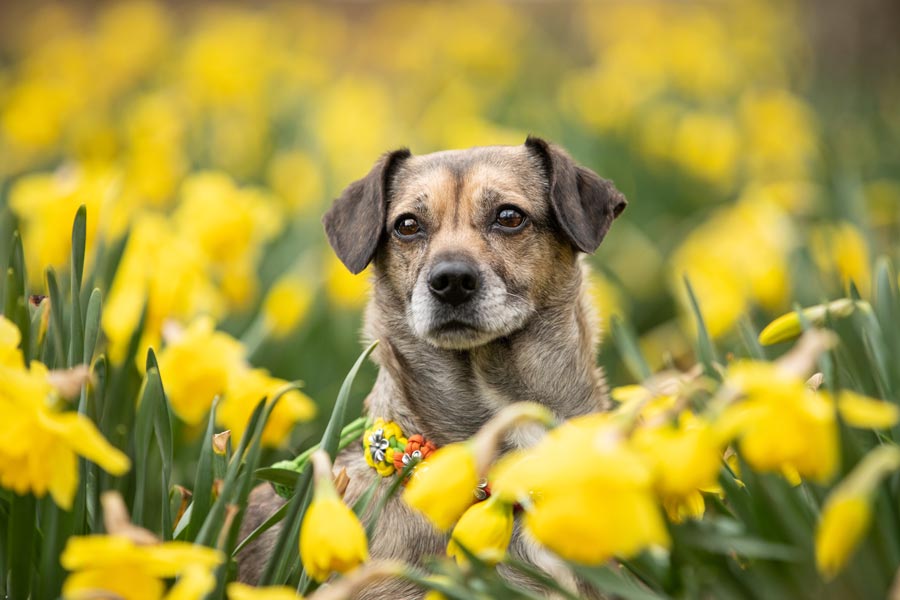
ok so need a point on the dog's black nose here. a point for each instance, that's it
(453, 281)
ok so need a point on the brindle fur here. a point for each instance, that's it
(447, 387)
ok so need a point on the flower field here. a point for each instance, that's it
(174, 328)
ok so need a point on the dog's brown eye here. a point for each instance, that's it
(406, 226)
(510, 218)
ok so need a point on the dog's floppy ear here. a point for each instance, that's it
(584, 203)
(355, 221)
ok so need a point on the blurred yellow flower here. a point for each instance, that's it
(112, 564)
(848, 510)
(287, 304)
(245, 388)
(163, 270)
(46, 203)
(346, 290)
(196, 367)
(683, 459)
(841, 251)
(443, 486)
(864, 412)
(229, 225)
(842, 525)
(707, 146)
(485, 530)
(194, 583)
(780, 134)
(41, 444)
(606, 298)
(331, 537)
(242, 591)
(585, 457)
(781, 425)
(296, 177)
(750, 265)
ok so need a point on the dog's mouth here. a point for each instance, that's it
(454, 326)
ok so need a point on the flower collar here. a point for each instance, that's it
(388, 451)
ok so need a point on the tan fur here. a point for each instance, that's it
(446, 389)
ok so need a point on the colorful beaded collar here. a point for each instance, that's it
(388, 451)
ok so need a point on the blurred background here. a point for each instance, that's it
(757, 143)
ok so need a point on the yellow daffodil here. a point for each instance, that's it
(196, 367)
(114, 564)
(587, 457)
(242, 591)
(753, 238)
(864, 412)
(485, 530)
(443, 486)
(45, 204)
(788, 326)
(843, 523)
(331, 537)
(167, 272)
(229, 225)
(41, 445)
(245, 388)
(345, 290)
(194, 583)
(842, 251)
(847, 513)
(287, 304)
(684, 460)
(781, 424)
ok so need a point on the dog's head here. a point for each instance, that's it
(470, 244)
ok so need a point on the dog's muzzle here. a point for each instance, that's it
(453, 282)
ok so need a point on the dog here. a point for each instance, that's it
(479, 301)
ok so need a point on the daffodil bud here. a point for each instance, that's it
(485, 530)
(331, 537)
(442, 487)
(848, 511)
(220, 442)
(787, 327)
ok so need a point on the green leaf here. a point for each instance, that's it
(628, 347)
(57, 327)
(618, 583)
(273, 519)
(203, 480)
(716, 538)
(92, 325)
(76, 318)
(285, 477)
(16, 308)
(56, 527)
(750, 338)
(151, 394)
(706, 350)
(162, 429)
(79, 240)
(20, 545)
(37, 343)
(284, 552)
(215, 519)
